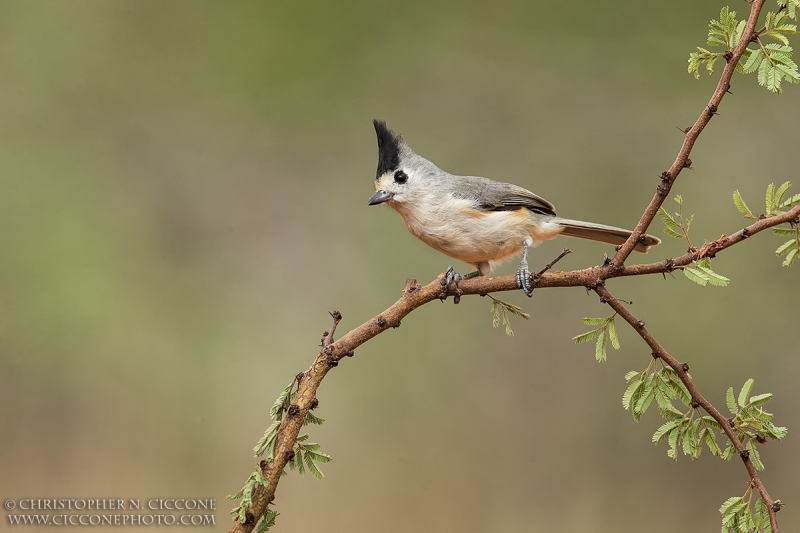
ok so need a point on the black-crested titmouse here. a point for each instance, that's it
(475, 220)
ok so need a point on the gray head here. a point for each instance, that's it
(402, 175)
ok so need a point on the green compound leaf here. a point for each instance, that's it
(739, 202)
(632, 374)
(731, 401)
(500, 310)
(791, 257)
(600, 347)
(784, 248)
(745, 392)
(588, 336)
(755, 457)
(761, 518)
(612, 333)
(791, 201)
(281, 404)
(267, 521)
(631, 392)
(715, 279)
(696, 275)
(664, 430)
(760, 399)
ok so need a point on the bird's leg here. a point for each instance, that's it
(451, 276)
(523, 274)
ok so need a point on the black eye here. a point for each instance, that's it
(400, 176)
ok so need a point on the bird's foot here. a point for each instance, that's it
(451, 277)
(523, 274)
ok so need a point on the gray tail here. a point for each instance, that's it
(603, 233)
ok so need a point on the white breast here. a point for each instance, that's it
(455, 227)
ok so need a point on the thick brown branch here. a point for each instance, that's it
(414, 296)
(679, 368)
(682, 160)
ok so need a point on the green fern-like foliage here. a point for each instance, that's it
(677, 227)
(777, 203)
(606, 331)
(771, 55)
(306, 456)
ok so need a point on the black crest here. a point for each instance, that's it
(388, 148)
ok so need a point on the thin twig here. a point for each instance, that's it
(327, 337)
(548, 266)
(681, 369)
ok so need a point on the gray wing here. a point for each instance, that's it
(497, 196)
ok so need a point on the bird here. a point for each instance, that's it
(476, 220)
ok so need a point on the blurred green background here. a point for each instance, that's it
(183, 189)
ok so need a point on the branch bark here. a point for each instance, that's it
(413, 296)
(658, 351)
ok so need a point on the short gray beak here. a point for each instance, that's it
(380, 197)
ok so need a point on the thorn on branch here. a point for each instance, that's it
(332, 361)
(685, 367)
(777, 506)
(685, 130)
(712, 109)
(728, 55)
(640, 324)
(694, 403)
(655, 355)
(688, 164)
(314, 404)
(710, 249)
(411, 286)
(381, 321)
(745, 233)
(294, 410)
(351, 353)
(744, 454)
(664, 186)
(289, 455)
(299, 376)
